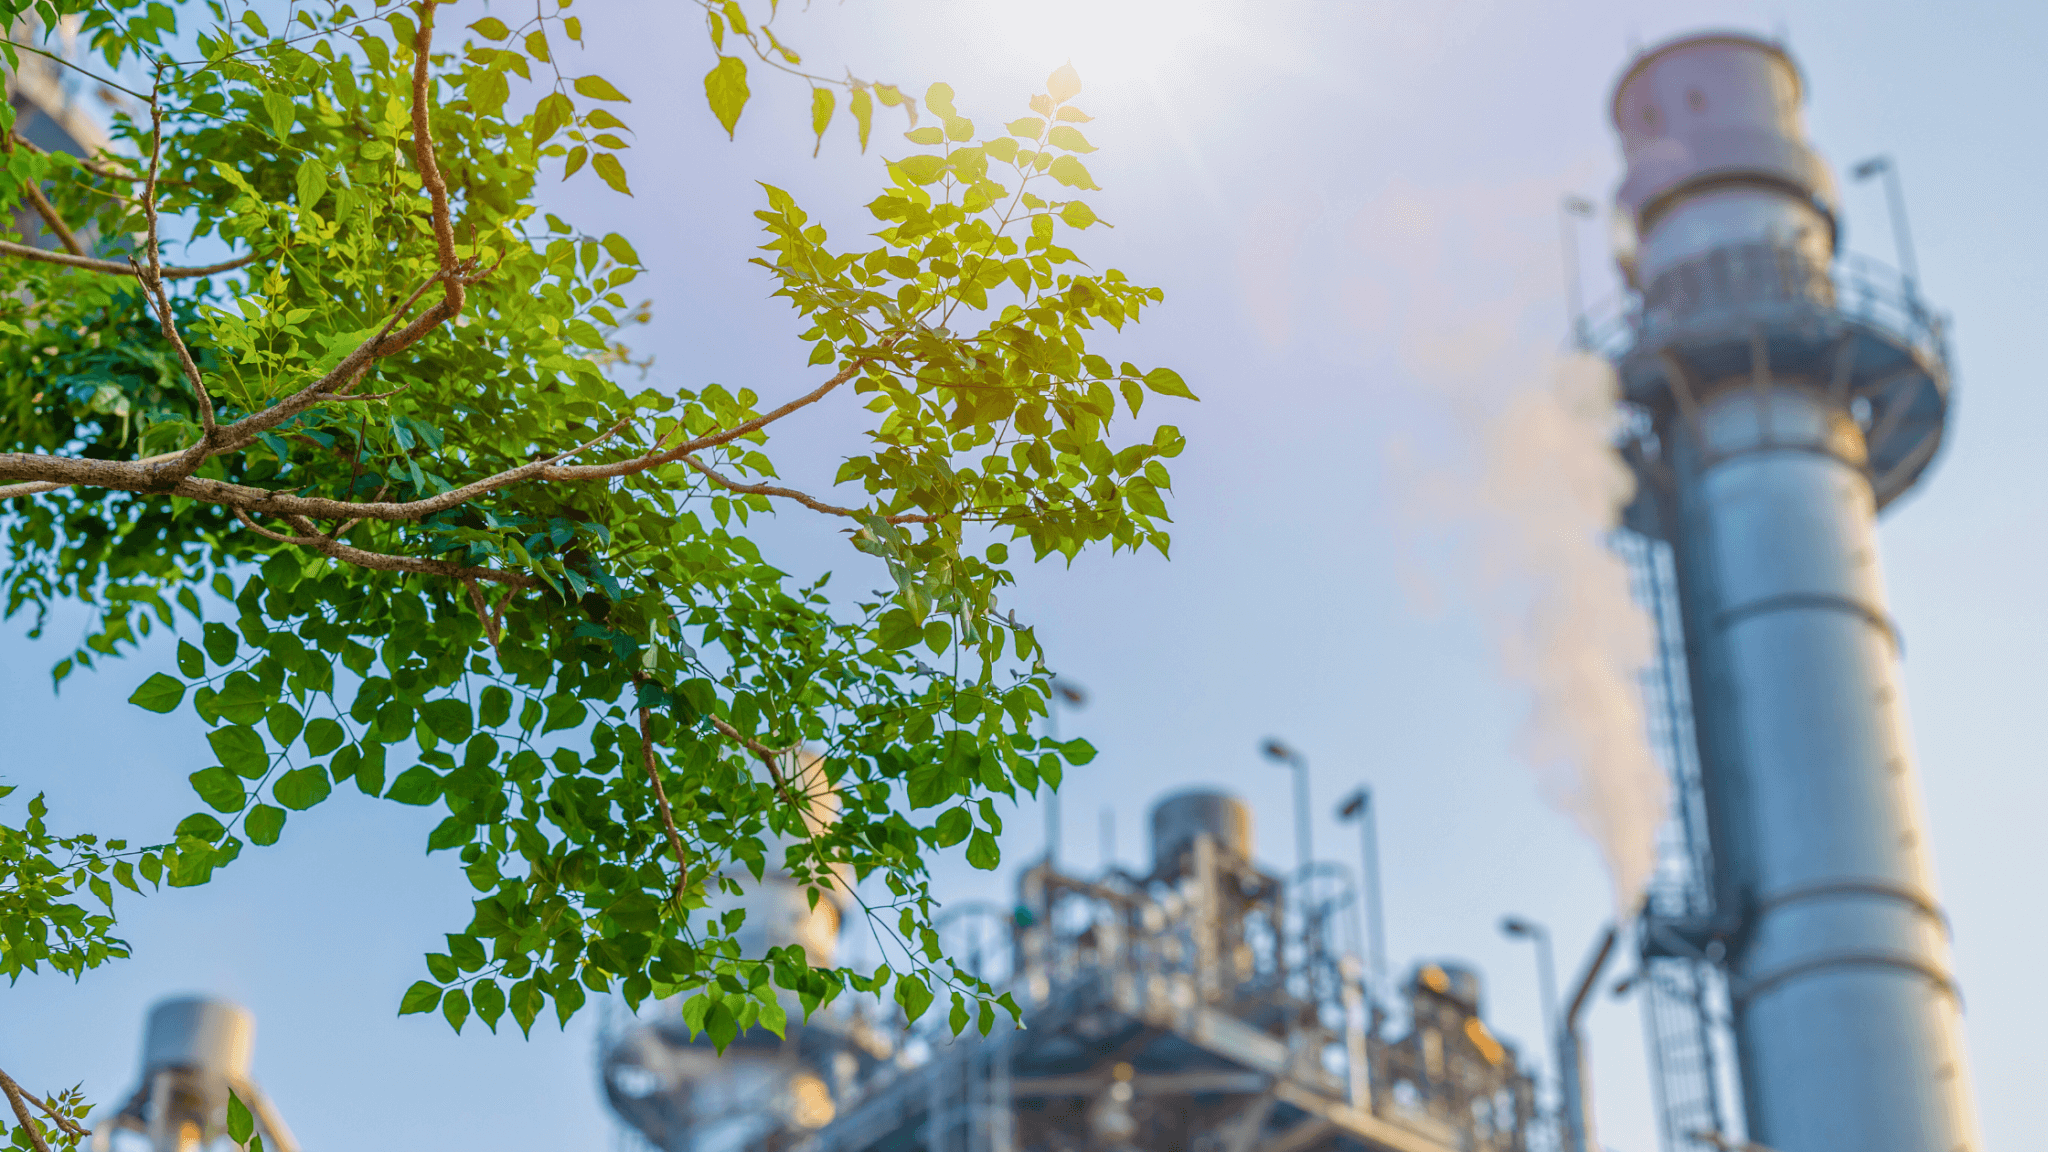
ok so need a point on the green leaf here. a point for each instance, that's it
(488, 90)
(537, 47)
(241, 1125)
(417, 785)
(301, 788)
(922, 169)
(491, 28)
(1069, 139)
(599, 88)
(284, 722)
(159, 693)
(1167, 382)
(1078, 752)
(1030, 127)
(938, 636)
(221, 643)
(928, 135)
(241, 750)
(265, 823)
(863, 107)
(550, 116)
(953, 826)
(448, 718)
(282, 112)
(323, 736)
(913, 995)
(1077, 214)
(1069, 171)
(312, 183)
(455, 1007)
(898, 629)
(494, 707)
(608, 168)
(191, 662)
(489, 1001)
(982, 852)
(221, 789)
(823, 102)
(467, 952)
(616, 247)
(726, 87)
(421, 997)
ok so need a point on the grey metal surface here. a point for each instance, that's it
(1846, 1014)
(208, 1036)
(1777, 414)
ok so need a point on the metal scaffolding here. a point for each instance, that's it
(1203, 1006)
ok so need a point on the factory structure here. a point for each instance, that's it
(1204, 1005)
(1793, 972)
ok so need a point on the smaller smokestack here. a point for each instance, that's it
(195, 1051)
(1179, 818)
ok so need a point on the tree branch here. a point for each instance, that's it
(20, 1099)
(48, 212)
(381, 561)
(91, 264)
(668, 820)
(148, 475)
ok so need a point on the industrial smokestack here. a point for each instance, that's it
(1788, 398)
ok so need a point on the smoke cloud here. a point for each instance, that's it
(1509, 488)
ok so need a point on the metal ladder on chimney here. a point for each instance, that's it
(1684, 993)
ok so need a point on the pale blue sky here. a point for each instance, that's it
(1341, 199)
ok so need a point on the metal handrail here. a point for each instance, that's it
(1855, 286)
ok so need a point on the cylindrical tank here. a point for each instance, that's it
(214, 1038)
(1179, 818)
(1846, 1018)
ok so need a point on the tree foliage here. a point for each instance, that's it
(374, 457)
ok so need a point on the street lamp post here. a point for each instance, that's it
(1073, 696)
(1359, 808)
(1546, 982)
(1895, 206)
(1304, 849)
(1569, 208)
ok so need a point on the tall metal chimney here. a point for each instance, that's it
(1786, 396)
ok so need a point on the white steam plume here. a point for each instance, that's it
(1552, 490)
(1509, 506)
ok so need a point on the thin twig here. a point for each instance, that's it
(770, 758)
(807, 501)
(668, 820)
(97, 169)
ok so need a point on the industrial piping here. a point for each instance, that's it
(1576, 1088)
(1790, 397)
